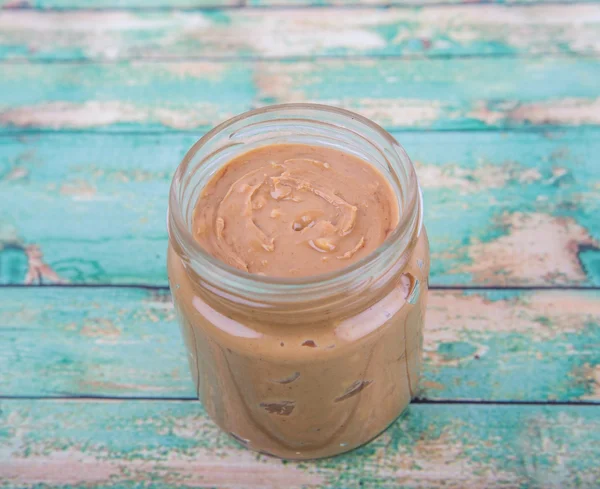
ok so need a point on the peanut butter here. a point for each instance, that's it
(292, 210)
(306, 384)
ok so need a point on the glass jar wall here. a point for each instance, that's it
(306, 367)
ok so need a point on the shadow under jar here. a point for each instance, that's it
(308, 367)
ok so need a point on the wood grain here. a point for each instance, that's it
(283, 33)
(198, 4)
(517, 208)
(492, 345)
(381, 3)
(125, 444)
(117, 4)
(82, 203)
(429, 94)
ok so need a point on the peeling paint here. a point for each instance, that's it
(535, 245)
(490, 342)
(441, 463)
(592, 374)
(39, 270)
(398, 111)
(452, 29)
(567, 111)
(450, 314)
(57, 115)
(483, 177)
(64, 115)
(127, 443)
(203, 468)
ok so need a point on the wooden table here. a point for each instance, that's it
(499, 106)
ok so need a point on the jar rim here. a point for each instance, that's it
(227, 275)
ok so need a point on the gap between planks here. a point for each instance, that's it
(9, 132)
(99, 398)
(431, 287)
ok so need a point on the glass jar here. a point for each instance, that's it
(306, 367)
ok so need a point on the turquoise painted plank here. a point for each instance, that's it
(109, 342)
(193, 4)
(117, 4)
(430, 94)
(461, 30)
(94, 205)
(385, 3)
(134, 444)
(491, 345)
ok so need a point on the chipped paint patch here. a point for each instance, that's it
(544, 455)
(16, 173)
(97, 34)
(78, 190)
(431, 385)
(543, 315)
(274, 83)
(102, 328)
(198, 69)
(68, 467)
(535, 246)
(57, 115)
(482, 177)
(204, 468)
(568, 111)
(279, 34)
(38, 269)
(441, 461)
(65, 115)
(275, 33)
(397, 112)
(432, 446)
(292, 84)
(592, 374)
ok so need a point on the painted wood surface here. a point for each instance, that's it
(493, 345)
(249, 33)
(96, 113)
(117, 4)
(502, 209)
(197, 4)
(161, 444)
(431, 94)
(381, 3)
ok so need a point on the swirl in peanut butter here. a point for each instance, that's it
(292, 210)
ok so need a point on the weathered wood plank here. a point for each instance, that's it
(196, 4)
(280, 33)
(381, 3)
(118, 4)
(517, 208)
(433, 94)
(130, 444)
(491, 345)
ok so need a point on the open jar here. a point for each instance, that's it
(307, 367)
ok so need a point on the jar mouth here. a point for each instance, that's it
(213, 271)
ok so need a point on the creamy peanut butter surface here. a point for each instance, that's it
(291, 210)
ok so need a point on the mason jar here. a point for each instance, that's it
(309, 367)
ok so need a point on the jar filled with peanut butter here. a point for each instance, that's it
(298, 263)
